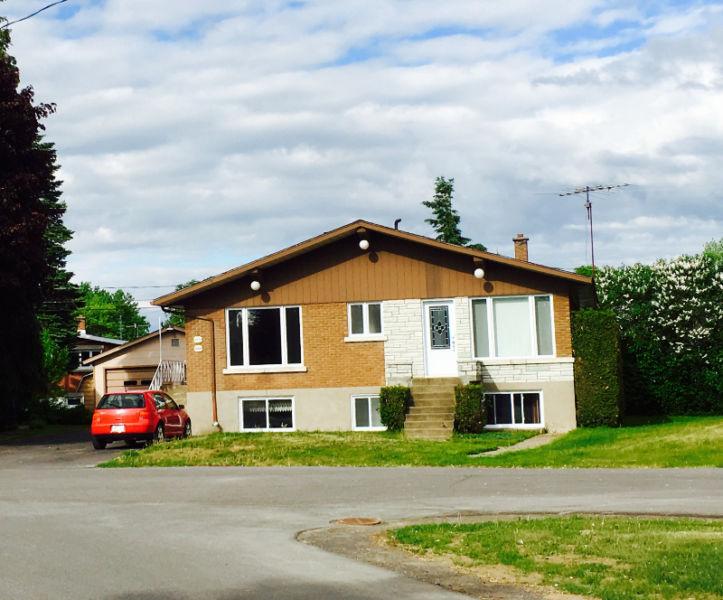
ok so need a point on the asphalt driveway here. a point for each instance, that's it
(69, 531)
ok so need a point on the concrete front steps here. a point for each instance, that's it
(431, 415)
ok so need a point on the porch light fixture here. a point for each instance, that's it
(255, 285)
(479, 272)
(364, 244)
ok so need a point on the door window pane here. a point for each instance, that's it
(235, 338)
(375, 318)
(439, 326)
(357, 318)
(376, 417)
(254, 414)
(481, 328)
(512, 327)
(280, 414)
(543, 318)
(531, 407)
(264, 336)
(361, 412)
(293, 335)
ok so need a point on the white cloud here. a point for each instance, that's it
(194, 139)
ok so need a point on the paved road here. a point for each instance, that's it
(70, 531)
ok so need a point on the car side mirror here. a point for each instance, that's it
(181, 406)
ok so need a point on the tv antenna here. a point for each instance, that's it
(588, 206)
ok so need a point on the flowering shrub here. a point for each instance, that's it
(671, 318)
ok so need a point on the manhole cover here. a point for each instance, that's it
(358, 521)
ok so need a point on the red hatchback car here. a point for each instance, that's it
(150, 416)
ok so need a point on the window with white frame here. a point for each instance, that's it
(514, 409)
(267, 414)
(513, 327)
(365, 413)
(264, 336)
(365, 319)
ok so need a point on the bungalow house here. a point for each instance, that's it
(303, 339)
(148, 362)
(78, 384)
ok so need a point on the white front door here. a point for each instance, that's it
(439, 352)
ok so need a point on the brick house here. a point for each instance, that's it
(304, 338)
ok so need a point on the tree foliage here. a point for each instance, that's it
(671, 317)
(445, 219)
(178, 317)
(32, 256)
(111, 314)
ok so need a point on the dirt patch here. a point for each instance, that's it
(371, 545)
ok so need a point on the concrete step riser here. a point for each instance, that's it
(436, 380)
(432, 395)
(439, 412)
(433, 389)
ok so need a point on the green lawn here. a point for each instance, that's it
(353, 449)
(614, 558)
(680, 442)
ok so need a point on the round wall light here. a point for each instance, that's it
(255, 285)
(364, 244)
(479, 273)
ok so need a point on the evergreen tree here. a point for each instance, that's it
(111, 314)
(445, 219)
(31, 237)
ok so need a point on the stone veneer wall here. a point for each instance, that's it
(404, 350)
(404, 346)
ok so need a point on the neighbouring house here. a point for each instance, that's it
(303, 339)
(78, 384)
(153, 361)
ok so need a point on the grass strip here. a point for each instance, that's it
(607, 557)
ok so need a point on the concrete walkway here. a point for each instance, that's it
(533, 442)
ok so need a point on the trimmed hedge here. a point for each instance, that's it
(470, 415)
(598, 368)
(393, 403)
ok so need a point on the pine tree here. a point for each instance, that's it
(31, 238)
(445, 220)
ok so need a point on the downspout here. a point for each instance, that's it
(214, 404)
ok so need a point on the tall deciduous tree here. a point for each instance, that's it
(32, 258)
(111, 314)
(445, 219)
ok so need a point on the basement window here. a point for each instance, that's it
(365, 413)
(266, 414)
(514, 410)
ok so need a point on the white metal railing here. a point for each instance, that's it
(168, 371)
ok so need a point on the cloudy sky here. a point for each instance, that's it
(196, 135)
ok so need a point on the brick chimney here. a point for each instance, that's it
(81, 324)
(521, 246)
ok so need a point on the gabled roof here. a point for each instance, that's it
(176, 298)
(97, 338)
(127, 345)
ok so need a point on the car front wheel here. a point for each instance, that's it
(187, 429)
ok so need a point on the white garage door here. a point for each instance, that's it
(126, 380)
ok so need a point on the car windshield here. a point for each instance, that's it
(121, 401)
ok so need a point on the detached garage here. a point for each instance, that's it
(133, 366)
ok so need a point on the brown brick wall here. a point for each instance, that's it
(330, 361)
(563, 333)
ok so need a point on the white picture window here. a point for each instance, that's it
(264, 336)
(513, 327)
(266, 414)
(365, 319)
(514, 409)
(365, 413)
